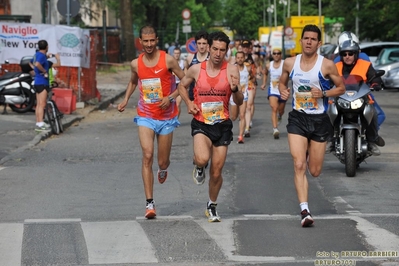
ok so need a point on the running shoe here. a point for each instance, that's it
(150, 211)
(240, 140)
(199, 175)
(211, 213)
(276, 133)
(306, 218)
(162, 175)
(247, 134)
(44, 127)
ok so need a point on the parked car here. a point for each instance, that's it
(387, 56)
(372, 49)
(388, 60)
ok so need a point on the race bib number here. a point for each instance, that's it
(152, 90)
(305, 101)
(275, 83)
(213, 112)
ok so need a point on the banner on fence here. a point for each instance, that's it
(20, 39)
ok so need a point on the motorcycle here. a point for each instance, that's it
(16, 89)
(351, 113)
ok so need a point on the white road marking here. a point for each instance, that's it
(11, 236)
(117, 242)
(379, 238)
(44, 221)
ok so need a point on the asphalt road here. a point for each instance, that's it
(77, 199)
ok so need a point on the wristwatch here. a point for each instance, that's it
(171, 99)
(324, 93)
(234, 91)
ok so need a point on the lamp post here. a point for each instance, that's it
(284, 2)
(299, 7)
(264, 14)
(270, 10)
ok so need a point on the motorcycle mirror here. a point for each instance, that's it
(379, 73)
(6, 62)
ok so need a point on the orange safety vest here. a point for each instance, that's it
(361, 67)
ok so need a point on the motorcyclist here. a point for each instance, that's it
(345, 36)
(351, 64)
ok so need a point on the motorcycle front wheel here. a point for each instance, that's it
(350, 153)
(27, 105)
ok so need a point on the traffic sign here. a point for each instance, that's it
(74, 7)
(191, 46)
(186, 28)
(288, 31)
(186, 13)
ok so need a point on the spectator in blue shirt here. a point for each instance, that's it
(41, 68)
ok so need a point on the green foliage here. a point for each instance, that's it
(377, 18)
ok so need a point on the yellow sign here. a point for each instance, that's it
(297, 23)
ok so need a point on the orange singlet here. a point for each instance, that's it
(154, 84)
(212, 96)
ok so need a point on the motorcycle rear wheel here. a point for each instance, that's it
(27, 105)
(350, 153)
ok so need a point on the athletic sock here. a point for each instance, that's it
(304, 205)
(210, 202)
(150, 201)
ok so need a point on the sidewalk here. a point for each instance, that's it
(17, 130)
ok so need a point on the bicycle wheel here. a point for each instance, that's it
(52, 118)
(59, 118)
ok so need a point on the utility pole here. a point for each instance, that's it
(299, 7)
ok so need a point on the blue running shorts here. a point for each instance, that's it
(160, 127)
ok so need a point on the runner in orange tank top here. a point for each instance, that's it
(216, 81)
(156, 111)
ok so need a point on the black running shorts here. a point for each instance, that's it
(220, 134)
(40, 88)
(315, 127)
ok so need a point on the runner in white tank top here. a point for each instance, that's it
(303, 81)
(235, 110)
(308, 125)
(275, 68)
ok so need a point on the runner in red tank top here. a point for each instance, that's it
(211, 126)
(157, 110)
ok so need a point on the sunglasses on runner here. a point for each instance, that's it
(276, 53)
(347, 54)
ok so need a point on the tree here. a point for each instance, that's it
(129, 49)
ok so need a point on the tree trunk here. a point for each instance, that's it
(129, 49)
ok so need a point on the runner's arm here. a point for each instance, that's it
(332, 71)
(283, 82)
(131, 86)
(233, 76)
(190, 76)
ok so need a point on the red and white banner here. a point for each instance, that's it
(20, 39)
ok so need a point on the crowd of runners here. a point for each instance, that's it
(218, 85)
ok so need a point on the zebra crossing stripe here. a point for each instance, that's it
(11, 243)
(117, 242)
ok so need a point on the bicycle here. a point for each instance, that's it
(54, 115)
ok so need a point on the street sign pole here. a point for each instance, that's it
(68, 14)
